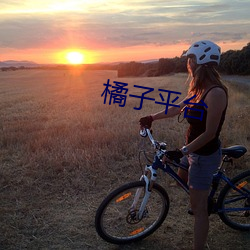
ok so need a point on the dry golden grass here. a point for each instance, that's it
(62, 150)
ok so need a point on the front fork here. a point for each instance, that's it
(149, 177)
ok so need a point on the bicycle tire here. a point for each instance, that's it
(232, 199)
(111, 220)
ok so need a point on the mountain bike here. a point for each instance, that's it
(136, 209)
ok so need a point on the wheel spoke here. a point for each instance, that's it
(119, 222)
(119, 211)
(234, 203)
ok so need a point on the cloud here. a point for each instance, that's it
(221, 36)
(210, 8)
(121, 24)
(25, 32)
(8, 3)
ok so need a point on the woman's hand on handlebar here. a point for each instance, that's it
(146, 122)
(175, 155)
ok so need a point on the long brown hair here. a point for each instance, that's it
(202, 75)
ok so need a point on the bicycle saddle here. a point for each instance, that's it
(234, 151)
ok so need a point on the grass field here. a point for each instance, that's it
(62, 150)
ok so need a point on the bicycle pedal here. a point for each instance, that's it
(212, 211)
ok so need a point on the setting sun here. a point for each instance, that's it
(75, 57)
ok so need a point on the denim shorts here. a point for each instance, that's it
(201, 169)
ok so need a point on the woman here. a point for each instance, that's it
(202, 153)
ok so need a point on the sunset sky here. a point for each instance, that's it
(117, 30)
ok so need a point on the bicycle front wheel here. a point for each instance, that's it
(234, 205)
(117, 223)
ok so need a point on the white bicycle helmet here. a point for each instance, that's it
(205, 52)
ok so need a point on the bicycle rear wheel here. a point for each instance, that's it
(116, 223)
(234, 206)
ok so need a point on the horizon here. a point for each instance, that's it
(112, 62)
(68, 63)
(108, 31)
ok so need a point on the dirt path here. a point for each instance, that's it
(238, 79)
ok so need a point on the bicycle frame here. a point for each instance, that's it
(150, 176)
(167, 169)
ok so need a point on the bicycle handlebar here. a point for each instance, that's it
(151, 137)
(146, 132)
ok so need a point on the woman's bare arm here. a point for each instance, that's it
(172, 111)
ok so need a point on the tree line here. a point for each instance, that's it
(233, 62)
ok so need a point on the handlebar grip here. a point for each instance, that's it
(143, 132)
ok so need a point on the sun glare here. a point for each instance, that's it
(75, 57)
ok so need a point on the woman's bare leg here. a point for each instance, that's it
(198, 199)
